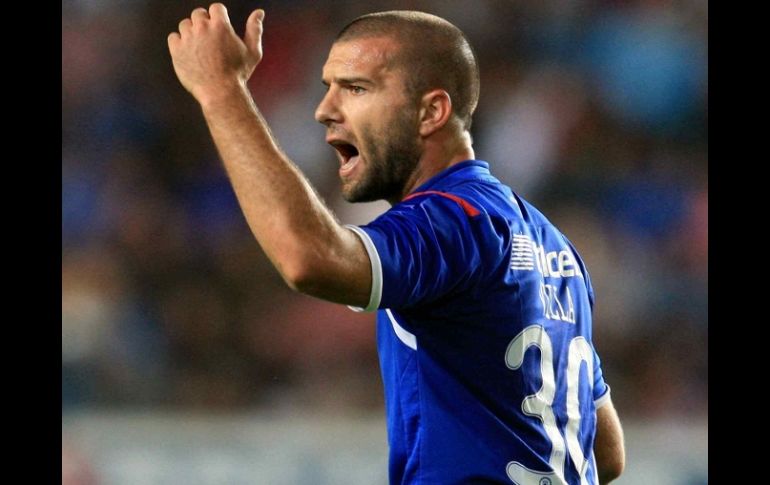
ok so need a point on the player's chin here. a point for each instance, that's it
(350, 190)
(354, 190)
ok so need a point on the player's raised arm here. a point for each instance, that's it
(311, 250)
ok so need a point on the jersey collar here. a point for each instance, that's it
(464, 170)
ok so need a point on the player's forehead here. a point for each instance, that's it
(367, 56)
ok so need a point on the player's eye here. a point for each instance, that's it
(356, 89)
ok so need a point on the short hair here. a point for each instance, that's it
(433, 51)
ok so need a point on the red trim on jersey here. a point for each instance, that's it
(467, 207)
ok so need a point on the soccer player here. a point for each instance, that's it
(483, 306)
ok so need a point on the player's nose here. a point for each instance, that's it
(327, 111)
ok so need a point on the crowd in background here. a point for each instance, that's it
(595, 111)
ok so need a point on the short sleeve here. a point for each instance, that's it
(420, 251)
(601, 389)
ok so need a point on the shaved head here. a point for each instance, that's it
(433, 54)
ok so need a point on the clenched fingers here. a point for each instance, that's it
(199, 16)
(217, 11)
(184, 26)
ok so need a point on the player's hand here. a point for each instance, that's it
(208, 55)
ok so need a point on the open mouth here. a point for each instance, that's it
(348, 154)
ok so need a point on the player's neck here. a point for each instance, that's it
(438, 156)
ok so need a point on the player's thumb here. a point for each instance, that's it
(253, 36)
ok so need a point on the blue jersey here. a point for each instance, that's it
(484, 337)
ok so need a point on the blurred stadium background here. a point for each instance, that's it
(185, 359)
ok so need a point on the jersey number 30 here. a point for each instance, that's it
(540, 405)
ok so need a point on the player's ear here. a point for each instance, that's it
(435, 111)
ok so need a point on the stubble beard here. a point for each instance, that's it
(393, 157)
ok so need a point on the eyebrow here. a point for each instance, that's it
(348, 80)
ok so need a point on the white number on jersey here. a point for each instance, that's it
(540, 405)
